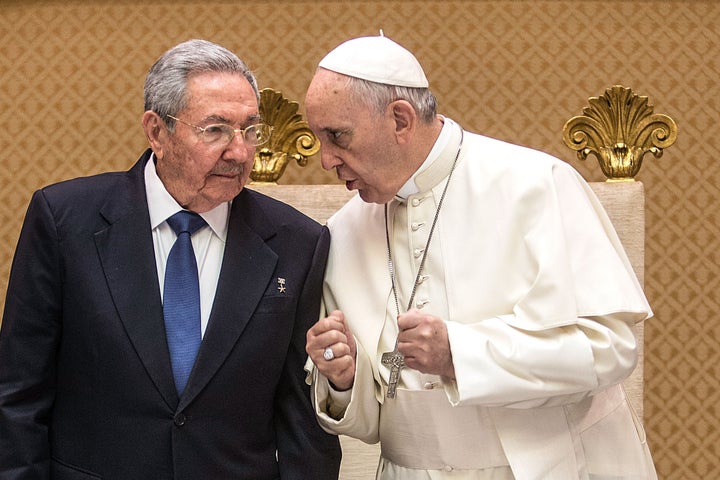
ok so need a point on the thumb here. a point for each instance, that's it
(349, 335)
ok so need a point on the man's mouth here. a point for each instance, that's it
(229, 173)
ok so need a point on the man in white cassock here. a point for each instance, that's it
(480, 305)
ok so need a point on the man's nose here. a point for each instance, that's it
(239, 148)
(329, 160)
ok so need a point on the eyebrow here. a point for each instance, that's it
(251, 119)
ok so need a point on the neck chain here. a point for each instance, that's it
(391, 266)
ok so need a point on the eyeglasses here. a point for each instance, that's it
(223, 134)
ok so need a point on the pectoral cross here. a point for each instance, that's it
(396, 362)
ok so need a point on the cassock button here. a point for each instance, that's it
(416, 226)
(180, 419)
(429, 385)
(448, 468)
(416, 201)
(417, 252)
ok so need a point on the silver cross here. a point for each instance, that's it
(396, 361)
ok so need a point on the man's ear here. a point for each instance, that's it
(405, 119)
(155, 131)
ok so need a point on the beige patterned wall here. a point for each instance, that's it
(71, 78)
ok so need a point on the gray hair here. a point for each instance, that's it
(166, 81)
(379, 96)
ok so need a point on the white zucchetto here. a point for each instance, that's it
(376, 59)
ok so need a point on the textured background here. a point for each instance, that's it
(71, 77)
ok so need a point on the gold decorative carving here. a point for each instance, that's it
(619, 128)
(291, 138)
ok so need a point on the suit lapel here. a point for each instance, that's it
(127, 255)
(247, 266)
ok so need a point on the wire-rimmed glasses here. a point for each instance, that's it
(223, 134)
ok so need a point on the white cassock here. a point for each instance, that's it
(539, 299)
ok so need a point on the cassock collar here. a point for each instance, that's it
(437, 165)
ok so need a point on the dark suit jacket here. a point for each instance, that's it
(86, 387)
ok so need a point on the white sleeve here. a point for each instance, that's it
(497, 364)
(360, 416)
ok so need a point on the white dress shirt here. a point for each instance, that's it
(208, 243)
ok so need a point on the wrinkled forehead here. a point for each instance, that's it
(229, 92)
(329, 93)
(327, 85)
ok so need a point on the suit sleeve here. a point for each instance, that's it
(304, 449)
(29, 338)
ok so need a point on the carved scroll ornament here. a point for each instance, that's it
(291, 138)
(619, 128)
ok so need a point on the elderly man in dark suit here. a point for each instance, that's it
(116, 363)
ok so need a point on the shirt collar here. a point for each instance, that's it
(162, 205)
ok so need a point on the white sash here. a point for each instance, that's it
(420, 429)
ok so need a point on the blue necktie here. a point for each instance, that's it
(181, 298)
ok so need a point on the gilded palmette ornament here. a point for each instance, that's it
(619, 128)
(291, 138)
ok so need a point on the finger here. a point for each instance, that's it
(335, 351)
(410, 319)
(333, 322)
(348, 336)
(318, 339)
(328, 354)
(345, 326)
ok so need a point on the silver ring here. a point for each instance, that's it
(328, 354)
